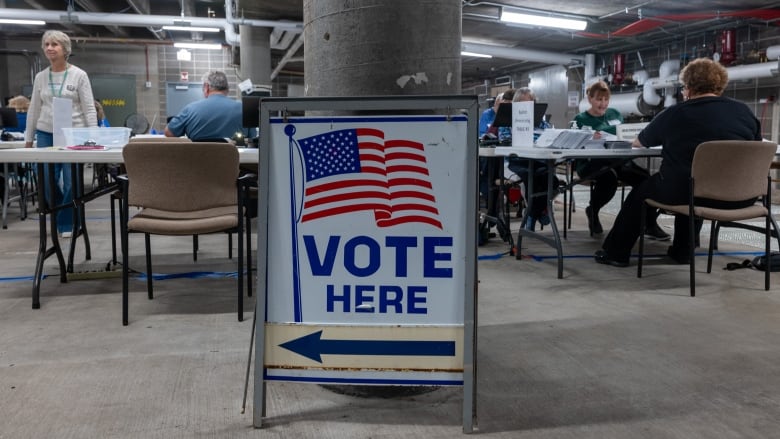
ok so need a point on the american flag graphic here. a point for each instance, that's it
(358, 170)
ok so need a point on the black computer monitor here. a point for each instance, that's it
(540, 109)
(504, 114)
(250, 111)
(8, 118)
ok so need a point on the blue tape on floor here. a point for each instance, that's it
(219, 275)
(189, 275)
(654, 255)
(17, 278)
(490, 257)
(142, 276)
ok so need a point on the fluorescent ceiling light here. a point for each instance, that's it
(509, 16)
(15, 21)
(192, 28)
(478, 55)
(197, 46)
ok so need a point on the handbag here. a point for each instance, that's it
(758, 263)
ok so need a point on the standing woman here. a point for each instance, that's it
(62, 80)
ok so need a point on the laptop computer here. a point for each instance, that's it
(504, 114)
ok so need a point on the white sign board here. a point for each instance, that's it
(522, 123)
(629, 131)
(366, 250)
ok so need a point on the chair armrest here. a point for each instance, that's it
(123, 182)
(245, 184)
(248, 180)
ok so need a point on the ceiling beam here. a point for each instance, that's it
(142, 7)
(91, 6)
(71, 27)
(288, 57)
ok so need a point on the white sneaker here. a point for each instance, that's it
(66, 234)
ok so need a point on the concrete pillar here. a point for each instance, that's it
(381, 47)
(256, 54)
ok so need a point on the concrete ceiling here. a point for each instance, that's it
(613, 26)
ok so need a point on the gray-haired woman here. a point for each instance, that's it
(61, 80)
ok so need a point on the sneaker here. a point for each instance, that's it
(594, 225)
(544, 218)
(655, 232)
(530, 223)
(67, 234)
(602, 257)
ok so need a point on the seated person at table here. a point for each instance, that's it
(538, 204)
(101, 115)
(486, 130)
(605, 174)
(21, 104)
(215, 118)
(704, 115)
(489, 133)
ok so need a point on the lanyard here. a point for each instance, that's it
(64, 78)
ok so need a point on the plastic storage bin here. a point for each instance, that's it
(110, 137)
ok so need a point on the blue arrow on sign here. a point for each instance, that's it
(312, 346)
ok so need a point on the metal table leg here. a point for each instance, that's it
(46, 207)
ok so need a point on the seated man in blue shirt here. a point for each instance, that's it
(213, 118)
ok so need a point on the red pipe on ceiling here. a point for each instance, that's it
(648, 24)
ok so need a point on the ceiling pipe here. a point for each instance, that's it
(753, 71)
(641, 76)
(649, 94)
(234, 39)
(231, 36)
(523, 54)
(137, 20)
(590, 67)
(773, 52)
(648, 100)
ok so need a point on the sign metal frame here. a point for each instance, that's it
(447, 105)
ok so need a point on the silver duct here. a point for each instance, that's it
(648, 101)
(140, 20)
(524, 54)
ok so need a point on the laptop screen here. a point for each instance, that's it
(8, 118)
(504, 114)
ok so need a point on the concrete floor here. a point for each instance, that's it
(597, 354)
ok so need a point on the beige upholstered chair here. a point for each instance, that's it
(115, 196)
(182, 189)
(165, 139)
(725, 170)
(159, 139)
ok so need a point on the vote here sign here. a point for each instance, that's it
(366, 249)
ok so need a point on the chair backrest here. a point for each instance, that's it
(159, 139)
(181, 176)
(214, 140)
(732, 170)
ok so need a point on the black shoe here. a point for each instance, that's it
(678, 257)
(655, 232)
(594, 225)
(602, 257)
